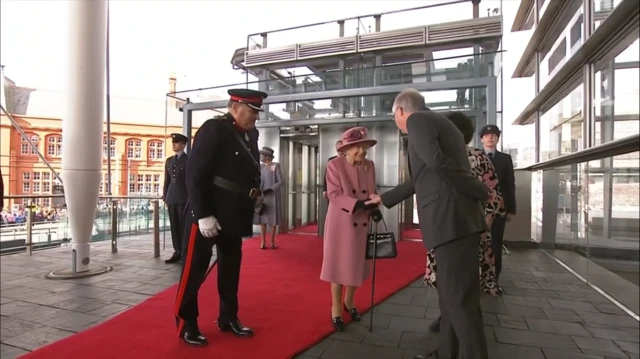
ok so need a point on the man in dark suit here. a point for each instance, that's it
(174, 194)
(490, 135)
(324, 186)
(451, 220)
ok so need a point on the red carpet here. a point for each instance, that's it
(411, 233)
(281, 298)
(308, 229)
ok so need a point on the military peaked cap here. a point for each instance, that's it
(489, 129)
(178, 137)
(248, 97)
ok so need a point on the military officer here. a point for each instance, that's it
(223, 181)
(503, 163)
(174, 193)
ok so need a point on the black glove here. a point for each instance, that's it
(376, 215)
(361, 206)
(267, 191)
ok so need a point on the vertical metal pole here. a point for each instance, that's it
(187, 125)
(28, 241)
(114, 226)
(108, 104)
(373, 273)
(156, 228)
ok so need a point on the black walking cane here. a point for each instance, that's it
(375, 217)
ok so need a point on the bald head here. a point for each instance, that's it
(406, 103)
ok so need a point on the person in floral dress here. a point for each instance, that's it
(482, 167)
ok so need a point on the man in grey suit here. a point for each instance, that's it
(451, 219)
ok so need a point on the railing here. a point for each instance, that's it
(449, 68)
(116, 217)
(613, 148)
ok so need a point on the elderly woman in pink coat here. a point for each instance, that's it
(350, 181)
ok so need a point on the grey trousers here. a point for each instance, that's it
(462, 327)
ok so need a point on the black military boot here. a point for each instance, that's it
(435, 326)
(236, 328)
(175, 258)
(192, 336)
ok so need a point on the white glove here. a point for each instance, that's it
(209, 226)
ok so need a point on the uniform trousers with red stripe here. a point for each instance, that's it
(194, 271)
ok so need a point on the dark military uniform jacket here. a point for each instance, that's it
(175, 185)
(217, 151)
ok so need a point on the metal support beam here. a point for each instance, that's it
(491, 86)
(341, 120)
(355, 92)
(187, 117)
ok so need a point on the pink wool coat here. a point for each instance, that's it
(345, 232)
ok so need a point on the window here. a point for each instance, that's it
(25, 147)
(145, 184)
(46, 176)
(134, 149)
(104, 184)
(36, 176)
(26, 187)
(36, 187)
(561, 126)
(46, 187)
(26, 176)
(111, 146)
(54, 145)
(156, 150)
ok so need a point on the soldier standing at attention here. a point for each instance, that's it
(223, 181)
(174, 194)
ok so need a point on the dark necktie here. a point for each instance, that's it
(490, 155)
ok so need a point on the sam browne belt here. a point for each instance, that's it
(253, 193)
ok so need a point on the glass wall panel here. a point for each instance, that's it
(561, 127)
(593, 211)
(565, 46)
(617, 100)
(602, 9)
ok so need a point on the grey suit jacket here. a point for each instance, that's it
(449, 196)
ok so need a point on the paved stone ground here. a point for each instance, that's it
(546, 312)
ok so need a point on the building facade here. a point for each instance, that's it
(136, 149)
(585, 186)
(137, 154)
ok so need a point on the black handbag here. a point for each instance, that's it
(381, 245)
(260, 207)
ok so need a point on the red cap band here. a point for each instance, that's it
(247, 99)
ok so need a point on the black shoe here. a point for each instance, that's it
(337, 323)
(236, 328)
(175, 258)
(194, 338)
(353, 312)
(435, 326)
(432, 355)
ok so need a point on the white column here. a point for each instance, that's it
(82, 124)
